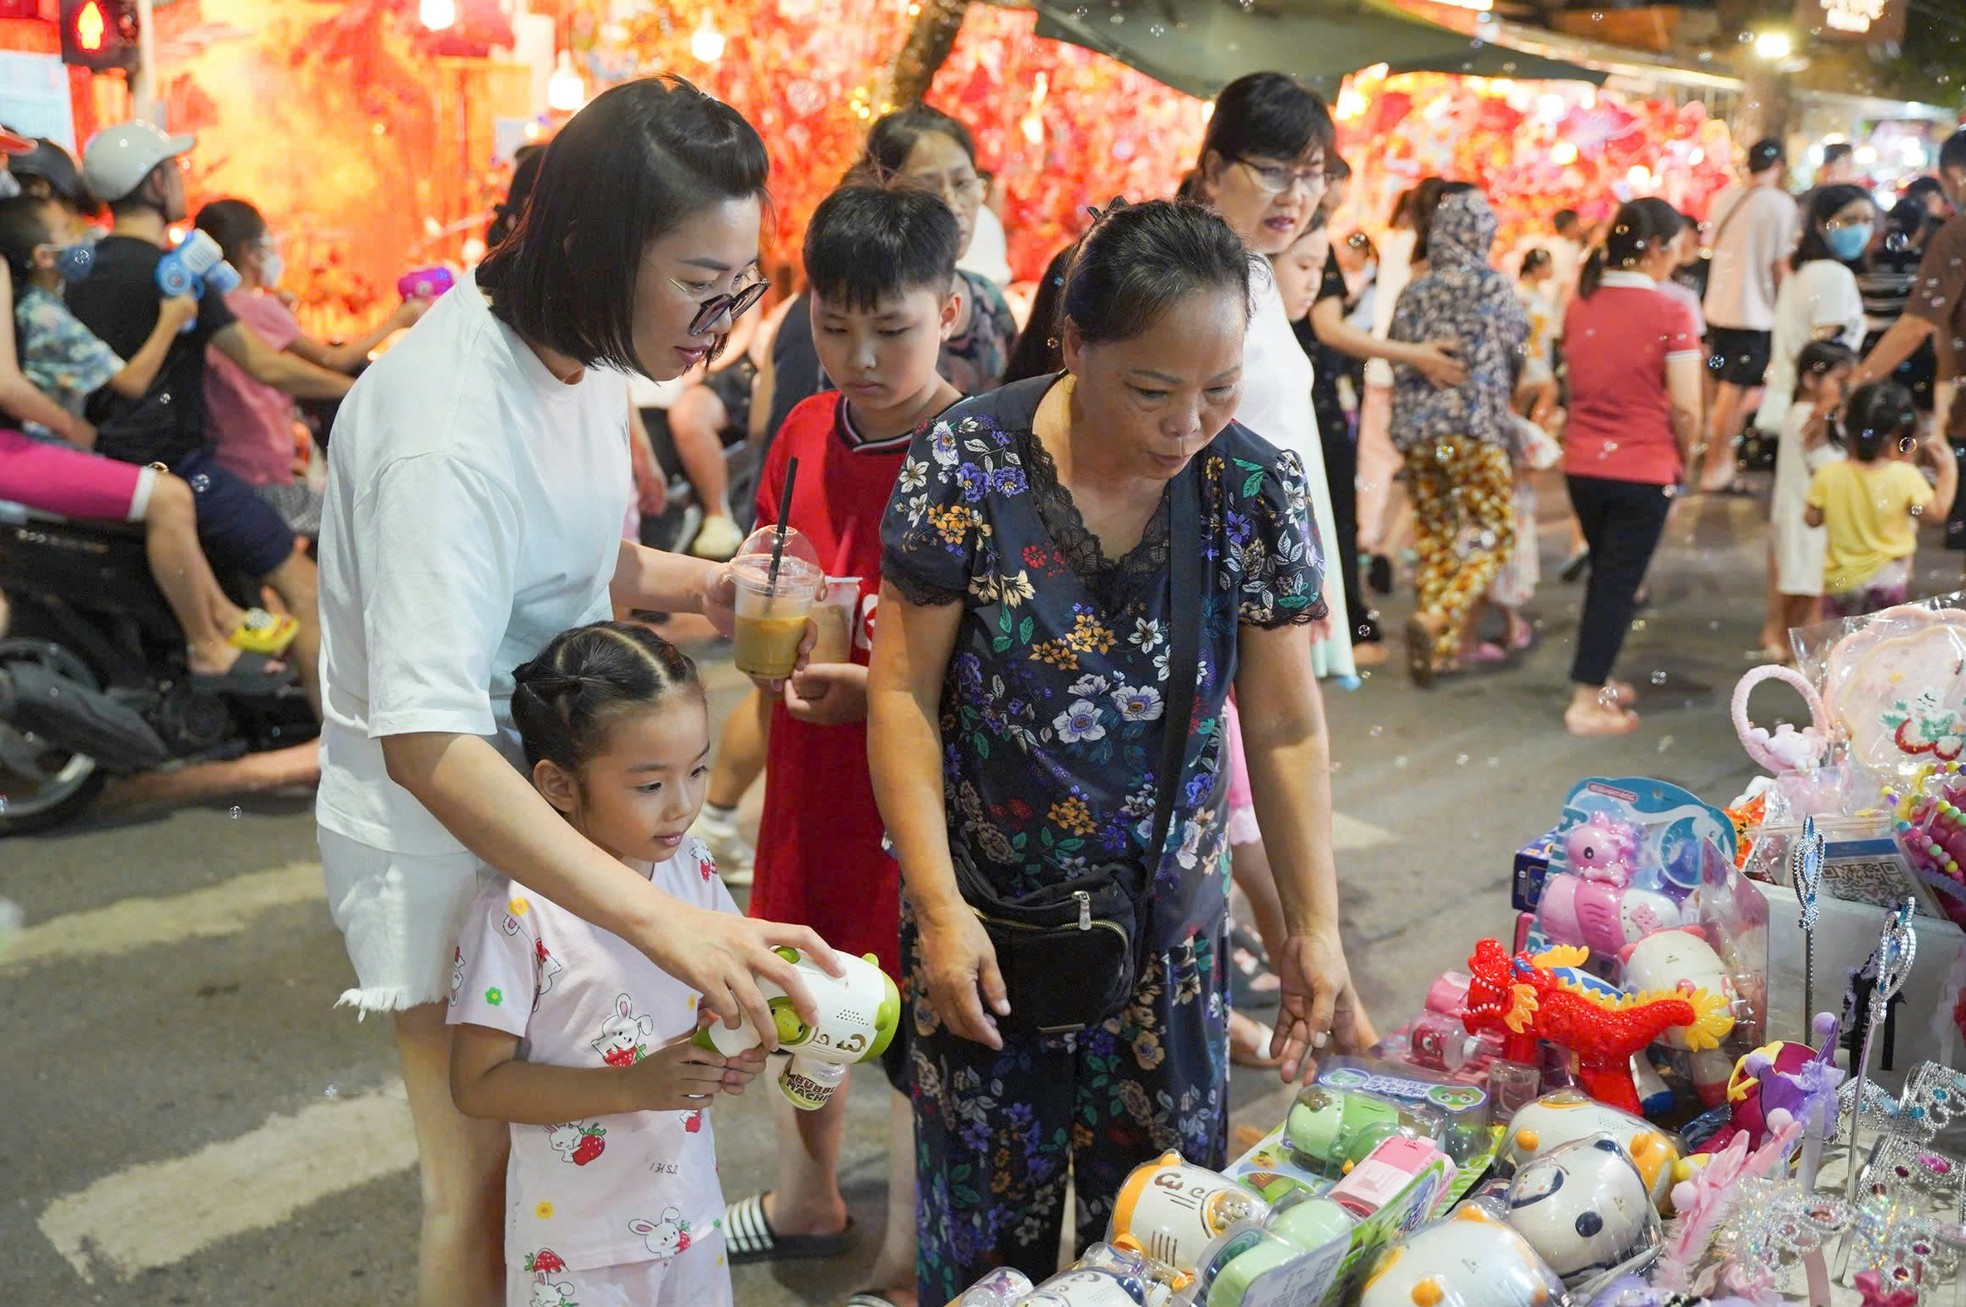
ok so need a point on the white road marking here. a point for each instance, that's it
(160, 1213)
(1351, 833)
(130, 924)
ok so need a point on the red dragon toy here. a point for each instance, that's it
(1529, 998)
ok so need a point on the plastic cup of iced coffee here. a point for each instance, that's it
(772, 613)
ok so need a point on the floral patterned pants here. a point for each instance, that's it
(1464, 524)
(997, 1135)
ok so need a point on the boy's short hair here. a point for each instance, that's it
(23, 229)
(870, 242)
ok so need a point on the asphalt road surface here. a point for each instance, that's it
(186, 1119)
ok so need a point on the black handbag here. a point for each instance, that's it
(1070, 953)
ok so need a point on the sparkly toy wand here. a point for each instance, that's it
(1897, 949)
(1806, 878)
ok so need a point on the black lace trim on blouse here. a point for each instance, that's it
(1111, 581)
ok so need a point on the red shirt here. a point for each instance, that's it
(1616, 344)
(820, 862)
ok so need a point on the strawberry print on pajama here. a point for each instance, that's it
(611, 1204)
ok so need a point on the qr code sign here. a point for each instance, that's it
(1873, 872)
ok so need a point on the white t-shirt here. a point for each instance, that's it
(1821, 293)
(612, 1190)
(1276, 377)
(473, 512)
(1395, 270)
(1741, 283)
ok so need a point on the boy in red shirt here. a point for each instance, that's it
(880, 265)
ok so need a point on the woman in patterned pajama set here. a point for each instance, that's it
(1456, 439)
(1016, 712)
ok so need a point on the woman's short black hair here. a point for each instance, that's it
(867, 243)
(23, 229)
(565, 701)
(234, 224)
(632, 166)
(1267, 115)
(1828, 201)
(1139, 260)
(1639, 227)
(893, 137)
(1877, 419)
(1819, 358)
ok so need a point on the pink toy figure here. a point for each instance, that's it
(1592, 904)
(1601, 848)
(1796, 759)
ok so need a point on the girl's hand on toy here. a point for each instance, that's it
(741, 1070)
(677, 1077)
(1319, 1007)
(964, 984)
(828, 694)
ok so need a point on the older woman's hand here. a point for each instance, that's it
(1319, 1006)
(961, 966)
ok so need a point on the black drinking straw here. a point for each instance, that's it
(778, 533)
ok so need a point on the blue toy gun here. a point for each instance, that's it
(195, 266)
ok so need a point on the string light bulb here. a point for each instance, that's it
(706, 42)
(437, 15)
(565, 91)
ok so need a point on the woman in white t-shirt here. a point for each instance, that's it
(1820, 301)
(1263, 170)
(478, 479)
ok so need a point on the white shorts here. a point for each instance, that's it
(400, 914)
(696, 1277)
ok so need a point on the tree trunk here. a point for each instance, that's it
(930, 39)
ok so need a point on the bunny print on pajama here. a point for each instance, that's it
(622, 1209)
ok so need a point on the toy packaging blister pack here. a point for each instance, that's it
(1890, 684)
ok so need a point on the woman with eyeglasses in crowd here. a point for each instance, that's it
(478, 478)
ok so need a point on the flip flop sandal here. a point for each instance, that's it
(1260, 1056)
(1523, 639)
(1485, 652)
(1602, 725)
(250, 677)
(260, 632)
(748, 1237)
(1419, 652)
(1252, 983)
(1575, 566)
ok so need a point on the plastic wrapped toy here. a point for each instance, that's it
(1681, 961)
(1000, 1288)
(1594, 903)
(1522, 995)
(858, 1013)
(1584, 1208)
(1568, 1115)
(1331, 1130)
(1171, 1211)
(1471, 1259)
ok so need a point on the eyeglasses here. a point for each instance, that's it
(737, 304)
(966, 188)
(1277, 179)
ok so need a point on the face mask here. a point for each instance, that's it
(75, 262)
(270, 268)
(1846, 243)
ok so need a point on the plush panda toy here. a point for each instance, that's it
(1584, 1208)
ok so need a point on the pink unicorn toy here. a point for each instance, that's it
(1592, 903)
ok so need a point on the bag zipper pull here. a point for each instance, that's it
(1085, 909)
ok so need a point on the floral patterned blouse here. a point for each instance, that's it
(1052, 707)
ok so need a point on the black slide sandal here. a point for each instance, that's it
(748, 1237)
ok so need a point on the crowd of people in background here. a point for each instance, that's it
(1225, 382)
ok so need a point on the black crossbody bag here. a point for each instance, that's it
(1070, 953)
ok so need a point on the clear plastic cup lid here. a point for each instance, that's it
(764, 539)
(756, 569)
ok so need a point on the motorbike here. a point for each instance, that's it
(93, 675)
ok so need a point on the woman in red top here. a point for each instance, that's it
(1634, 358)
